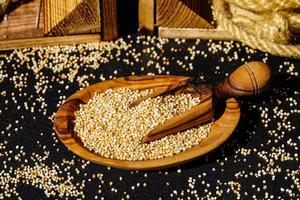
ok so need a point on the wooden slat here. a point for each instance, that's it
(194, 33)
(65, 17)
(21, 22)
(180, 14)
(147, 14)
(47, 41)
(109, 24)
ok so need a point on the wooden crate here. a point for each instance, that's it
(70, 21)
(69, 17)
(189, 19)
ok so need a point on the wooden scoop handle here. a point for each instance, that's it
(249, 79)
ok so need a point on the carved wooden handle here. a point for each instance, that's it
(249, 79)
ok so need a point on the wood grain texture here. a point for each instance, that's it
(147, 14)
(64, 124)
(66, 17)
(249, 79)
(109, 22)
(21, 22)
(181, 14)
(180, 19)
(48, 41)
(195, 33)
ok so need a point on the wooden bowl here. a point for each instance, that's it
(221, 129)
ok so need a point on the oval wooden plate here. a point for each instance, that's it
(221, 129)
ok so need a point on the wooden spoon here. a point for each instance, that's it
(249, 79)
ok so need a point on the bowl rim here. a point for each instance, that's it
(221, 129)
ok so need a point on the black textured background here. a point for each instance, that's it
(250, 134)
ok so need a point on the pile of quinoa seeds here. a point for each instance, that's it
(110, 128)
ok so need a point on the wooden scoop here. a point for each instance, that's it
(249, 79)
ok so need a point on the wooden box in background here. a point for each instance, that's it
(69, 17)
(189, 19)
(70, 21)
